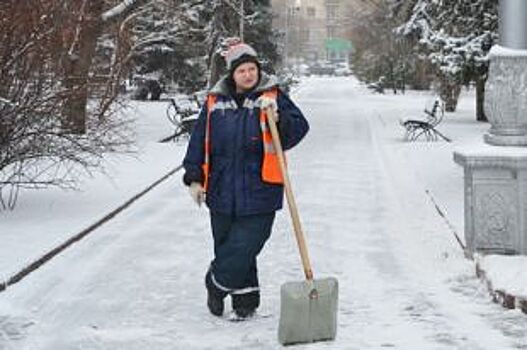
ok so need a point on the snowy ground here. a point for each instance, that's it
(136, 283)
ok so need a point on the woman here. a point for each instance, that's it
(230, 158)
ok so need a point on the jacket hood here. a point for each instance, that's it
(266, 82)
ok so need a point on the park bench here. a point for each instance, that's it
(377, 86)
(426, 126)
(183, 116)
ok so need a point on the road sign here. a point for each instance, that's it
(338, 45)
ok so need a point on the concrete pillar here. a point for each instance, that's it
(496, 177)
(506, 88)
(513, 24)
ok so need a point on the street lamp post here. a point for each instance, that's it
(289, 16)
(495, 172)
(513, 24)
(286, 43)
(505, 91)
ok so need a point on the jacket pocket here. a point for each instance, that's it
(256, 184)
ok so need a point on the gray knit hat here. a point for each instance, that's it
(238, 54)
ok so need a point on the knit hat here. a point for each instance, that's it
(238, 54)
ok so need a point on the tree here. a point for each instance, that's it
(379, 55)
(35, 149)
(176, 40)
(259, 33)
(82, 23)
(456, 37)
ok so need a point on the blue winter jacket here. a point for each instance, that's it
(235, 183)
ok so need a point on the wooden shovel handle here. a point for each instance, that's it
(293, 210)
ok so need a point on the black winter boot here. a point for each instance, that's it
(244, 305)
(215, 296)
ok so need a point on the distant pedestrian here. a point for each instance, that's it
(231, 165)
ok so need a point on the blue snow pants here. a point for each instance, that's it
(237, 242)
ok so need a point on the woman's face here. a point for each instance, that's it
(245, 76)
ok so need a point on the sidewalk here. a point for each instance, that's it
(137, 282)
(436, 172)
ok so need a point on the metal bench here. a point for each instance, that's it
(183, 118)
(377, 86)
(426, 127)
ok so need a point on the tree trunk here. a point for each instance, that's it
(421, 79)
(449, 92)
(480, 100)
(77, 67)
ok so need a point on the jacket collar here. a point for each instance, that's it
(266, 82)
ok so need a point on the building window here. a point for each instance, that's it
(292, 12)
(331, 12)
(311, 12)
(332, 32)
(306, 35)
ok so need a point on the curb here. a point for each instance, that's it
(502, 297)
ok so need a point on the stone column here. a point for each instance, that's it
(496, 171)
(513, 24)
(506, 89)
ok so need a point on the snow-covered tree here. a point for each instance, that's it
(177, 39)
(81, 24)
(378, 54)
(48, 134)
(260, 34)
(456, 37)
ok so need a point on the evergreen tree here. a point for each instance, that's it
(379, 57)
(164, 37)
(456, 37)
(260, 34)
(176, 39)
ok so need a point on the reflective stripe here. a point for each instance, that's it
(269, 148)
(245, 290)
(211, 103)
(230, 290)
(224, 105)
(219, 285)
(271, 172)
(248, 103)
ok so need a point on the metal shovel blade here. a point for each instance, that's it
(308, 311)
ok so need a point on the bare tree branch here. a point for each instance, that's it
(121, 9)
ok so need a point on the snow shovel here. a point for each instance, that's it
(308, 309)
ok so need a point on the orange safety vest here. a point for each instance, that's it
(271, 172)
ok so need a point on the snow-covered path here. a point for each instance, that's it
(137, 283)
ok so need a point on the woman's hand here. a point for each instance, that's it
(197, 192)
(269, 103)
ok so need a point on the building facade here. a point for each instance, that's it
(312, 30)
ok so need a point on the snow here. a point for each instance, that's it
(480, 148)
(455, 35)
(137, 282)
(498, 50)
(47, 218)
(117, 10)
(3, 100)
(507, 273)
